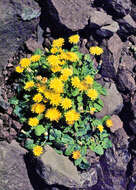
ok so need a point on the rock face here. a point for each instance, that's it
(74, 14)
(111, 105)
(113, 165)
(58, 169)
(13, 30)
(13, 172)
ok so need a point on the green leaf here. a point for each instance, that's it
(78, 161)
(99, 150)
(106, 143)
(100, 102)
(29, 144)
(98, 107)
(14, 101)
(66, 139)
(79, 99)
(87, 58)
(38, 51)
(17, 110)
(84, 166)
(59, 151)
(57, 133)
(75, 92)
(39, 130)
(69, 149)
(83, 150)
(103, 91)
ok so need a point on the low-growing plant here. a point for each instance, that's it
(57, 98)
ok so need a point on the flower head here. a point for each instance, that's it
(29, 85)
(33, 121)
(53, 114)
(58, 42)
(41, 88)
(19, 69)
(66, 72)
(25, 62)
(100, 128)
(37, 150)
(73, 57)
(92, 93)
(76, 155)
(95, 50)
(55, 69)
(57, 85)
(38, 108)
(109, 123)
(71, 116)
(89, 80)
(75, 82)
(74, 39)
(66, 103)
(92, 110)
(37, 98)
(55, 99)
(35, 58)
(53, 60)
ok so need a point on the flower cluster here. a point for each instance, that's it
(62, 98)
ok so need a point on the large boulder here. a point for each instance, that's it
(13, 29)
(113, 164)
(73, 14)
(113, 102)
(58, 169)
(13, 171)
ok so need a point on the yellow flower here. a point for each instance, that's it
(57, 85)
(95, 50)
(33, 121)
(58, 42)
(71, 56)
(29, 85)
(66, 103)
(53, 60)
(35, 58)
(37, 150)
(92, 110)
(75, 82)
(74, 39)
(55, 50)
(55, 69)
(25, 62)
(63, 56)
(41, 88)
(55, 99)
(47, 94)
(71, 116)
(66, 72)
(92, 93)
(37, 98)
(100, 128)
(38, 108)
(89, 80)
(82, 86)
(53, 114)
(19, 69)
(76, 155)
(109, 123)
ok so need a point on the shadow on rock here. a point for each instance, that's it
(36, 181)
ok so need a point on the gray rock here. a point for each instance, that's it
(13, 30)
(104, 21)
(28, 13)
(113, 164)
(113, 102)
(58, 169)
(73, 14)
(13, 172)
(117, 123)
(115, 46)
(118, 8)
(125, 81)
